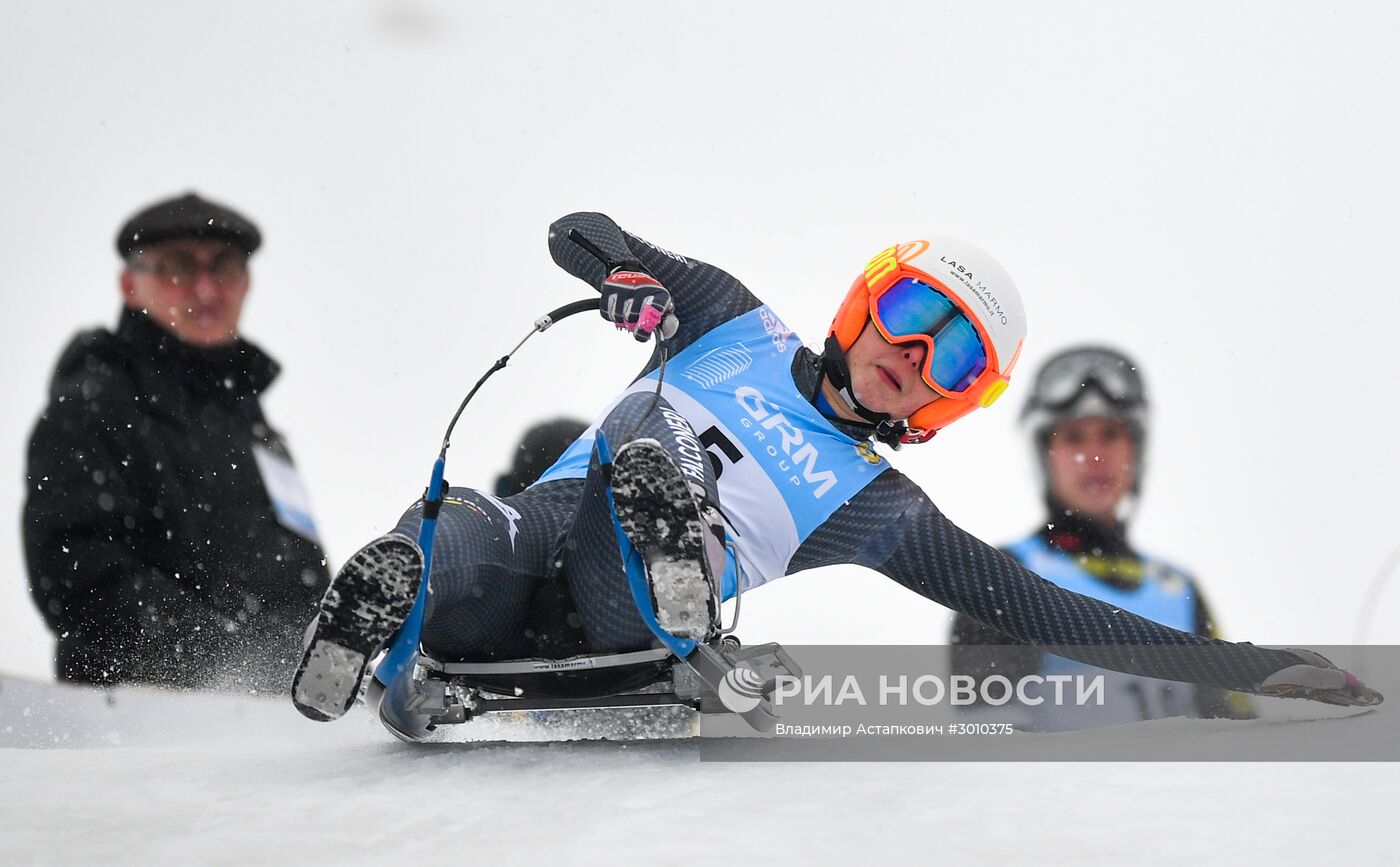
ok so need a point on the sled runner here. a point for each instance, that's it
(716, 678)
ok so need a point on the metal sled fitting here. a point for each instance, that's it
(451, 693)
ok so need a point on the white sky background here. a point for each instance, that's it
(1210, 186)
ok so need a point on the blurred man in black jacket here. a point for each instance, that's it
(167, 536)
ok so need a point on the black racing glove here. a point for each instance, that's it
(634, 301)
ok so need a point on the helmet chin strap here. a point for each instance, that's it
(836, 369)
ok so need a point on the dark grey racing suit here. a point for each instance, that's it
(539, 573)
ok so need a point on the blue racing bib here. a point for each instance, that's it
(782, 468)
(1165, 595)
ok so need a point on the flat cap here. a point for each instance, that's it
(187, 217)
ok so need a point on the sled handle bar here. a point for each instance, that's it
(541, 324)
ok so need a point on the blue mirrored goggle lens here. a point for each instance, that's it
(910, 308)
(958, 356)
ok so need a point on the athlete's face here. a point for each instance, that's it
(885, 376)
(1092, 465)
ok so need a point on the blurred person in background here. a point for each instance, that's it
(167, 536)
(537, 451)
(1087, 416)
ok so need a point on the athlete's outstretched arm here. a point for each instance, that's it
(923, 550)
(590, 246)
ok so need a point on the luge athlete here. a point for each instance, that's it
(754, 462)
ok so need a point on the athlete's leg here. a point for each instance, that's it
(490, 557)
(592, 561)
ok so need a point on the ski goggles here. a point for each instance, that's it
(911, 310)
(1063, 380)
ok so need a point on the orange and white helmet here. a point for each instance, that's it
(958, 302)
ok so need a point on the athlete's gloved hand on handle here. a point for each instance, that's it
(1316, 678)
(635, 302)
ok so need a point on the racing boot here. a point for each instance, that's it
(674, 528)
(367, 602)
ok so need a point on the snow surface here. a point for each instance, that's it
(235, 780)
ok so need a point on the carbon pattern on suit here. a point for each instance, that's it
(484, 577)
